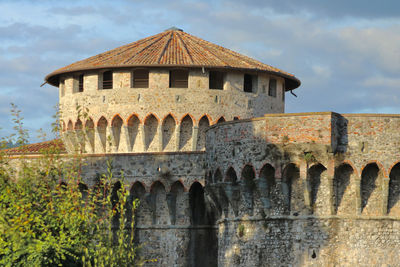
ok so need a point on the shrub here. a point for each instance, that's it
(48, 218)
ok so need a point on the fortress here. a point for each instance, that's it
(224, 176)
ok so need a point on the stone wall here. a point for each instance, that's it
(311, 189)
(122, 107)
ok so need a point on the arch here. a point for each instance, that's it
(217, 176)
(149, 115)
(292, 189)
(116, 126)
(80, 135)
(381, 168)
(314, 181)
(394, 191)
(178, 204)
(371, 196)
(173, 117)
(197, 204)
(343, 200)
(267, 173)
(168, 133)
(159, 203)
(248, 172)
(186, 132)
(248, 176)
(89, 128)
(142, 215)
(231, 176)
(78, 125)
(201, 240)
(220, 120)
(204, 123)
(150, 132)
(102, 125)
(133, 132)
(70, 125)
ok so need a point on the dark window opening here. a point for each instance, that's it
(221, 120)
(140, 79)
(248, 83)
(272, 88)
(178, 79)
(80, 83)
(107, 80)
(235, 118)
(216, 80)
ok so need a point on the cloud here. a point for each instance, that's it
(331, 9)
(347, 54)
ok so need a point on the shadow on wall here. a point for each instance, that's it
(174, 221)
(277, 206)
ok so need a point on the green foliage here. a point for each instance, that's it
(48, 218)
(309, 157)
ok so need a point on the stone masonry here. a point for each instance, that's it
(224, 177)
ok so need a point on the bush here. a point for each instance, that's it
(44, 222)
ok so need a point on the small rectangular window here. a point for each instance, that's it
(178, 79)
(272, 88)
(216, 80)
(107, 80)
(248, 83)
(80, 83)
(140, 79)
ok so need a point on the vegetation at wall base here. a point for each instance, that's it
(48, 217)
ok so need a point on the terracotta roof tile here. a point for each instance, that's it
(172, 48)
(36, 148)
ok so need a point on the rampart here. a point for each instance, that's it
(311, 189)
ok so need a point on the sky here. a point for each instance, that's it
(346, 53)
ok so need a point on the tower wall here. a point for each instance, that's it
(158, 101)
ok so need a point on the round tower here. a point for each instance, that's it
(161, 93)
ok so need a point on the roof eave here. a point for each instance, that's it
(291, 82)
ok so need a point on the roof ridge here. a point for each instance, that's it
(165, 47)
(162, 36)
(184, 45)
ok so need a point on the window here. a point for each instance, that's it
(140, 79)
(107, 80)
(250, 83)
(178, 79)
(80, 83)
(216, 80)
(272, 88)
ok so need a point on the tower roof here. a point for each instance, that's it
(172, 48)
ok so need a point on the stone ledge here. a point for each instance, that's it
(310, 217)
(169, 227)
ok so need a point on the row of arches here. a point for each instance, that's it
(162, 206)
(135, 135)
(286, 192)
